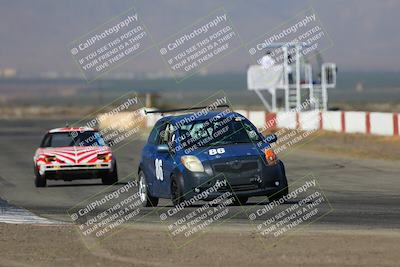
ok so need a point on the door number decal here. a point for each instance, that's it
(159, 170)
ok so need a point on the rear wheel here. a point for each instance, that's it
(176, 191)
(111, 178)
(145, 197)
(40, 180)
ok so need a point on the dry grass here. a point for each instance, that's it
(357, 145)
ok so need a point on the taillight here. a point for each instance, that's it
(49, 158)
(104, 156)
(270, 156)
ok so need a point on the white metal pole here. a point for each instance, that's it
(311, 86)
(285, 77)
(298, 93)
(263, 100)
(273, 94)
(323, 88)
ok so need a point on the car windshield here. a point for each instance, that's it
(222, 131)
(87, 138)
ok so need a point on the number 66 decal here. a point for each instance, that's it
(159, 170)
(214, 151)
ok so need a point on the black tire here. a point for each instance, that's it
(284, 189)
(283, 192)
(176, 191)
(40, 180)
(238, 201)
(112, 177)
(147, 199)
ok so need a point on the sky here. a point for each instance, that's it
(35, 35)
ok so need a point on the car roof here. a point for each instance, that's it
(208, 115)
(71, 129)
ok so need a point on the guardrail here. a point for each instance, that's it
(377, 123)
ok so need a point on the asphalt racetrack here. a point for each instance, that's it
(362, 193)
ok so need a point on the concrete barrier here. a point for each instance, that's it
(309, 120)
(381, 123)
(355, 122)
(286, 120)
(332, 121)
(122, 121)
(270, 121)
(257, 118)
(243, 112)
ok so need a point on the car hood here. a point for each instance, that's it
(75, 149)
(74, 154)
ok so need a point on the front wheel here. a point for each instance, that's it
(282, 193)
(145, 197)
(111, 178)
(176, 191)
(238, 201)
(40, 180)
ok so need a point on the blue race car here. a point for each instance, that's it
(188, 154)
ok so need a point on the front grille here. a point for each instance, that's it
(237, 188)
(237, 166)
(77, 166)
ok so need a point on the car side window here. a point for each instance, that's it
(251, 132)
(154, 134)
(164, 134)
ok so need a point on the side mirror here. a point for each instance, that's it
(272, 138)
(163, 148)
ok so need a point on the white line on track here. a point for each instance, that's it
(16, 215)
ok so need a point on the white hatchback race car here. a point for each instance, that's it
(74, 153)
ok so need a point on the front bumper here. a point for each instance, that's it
(76, 171)
(251, 180)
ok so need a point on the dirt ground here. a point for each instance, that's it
(28, 245)
(356, 145)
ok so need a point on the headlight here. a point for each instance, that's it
(192, 163)
(49, 158)
(104, 156)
